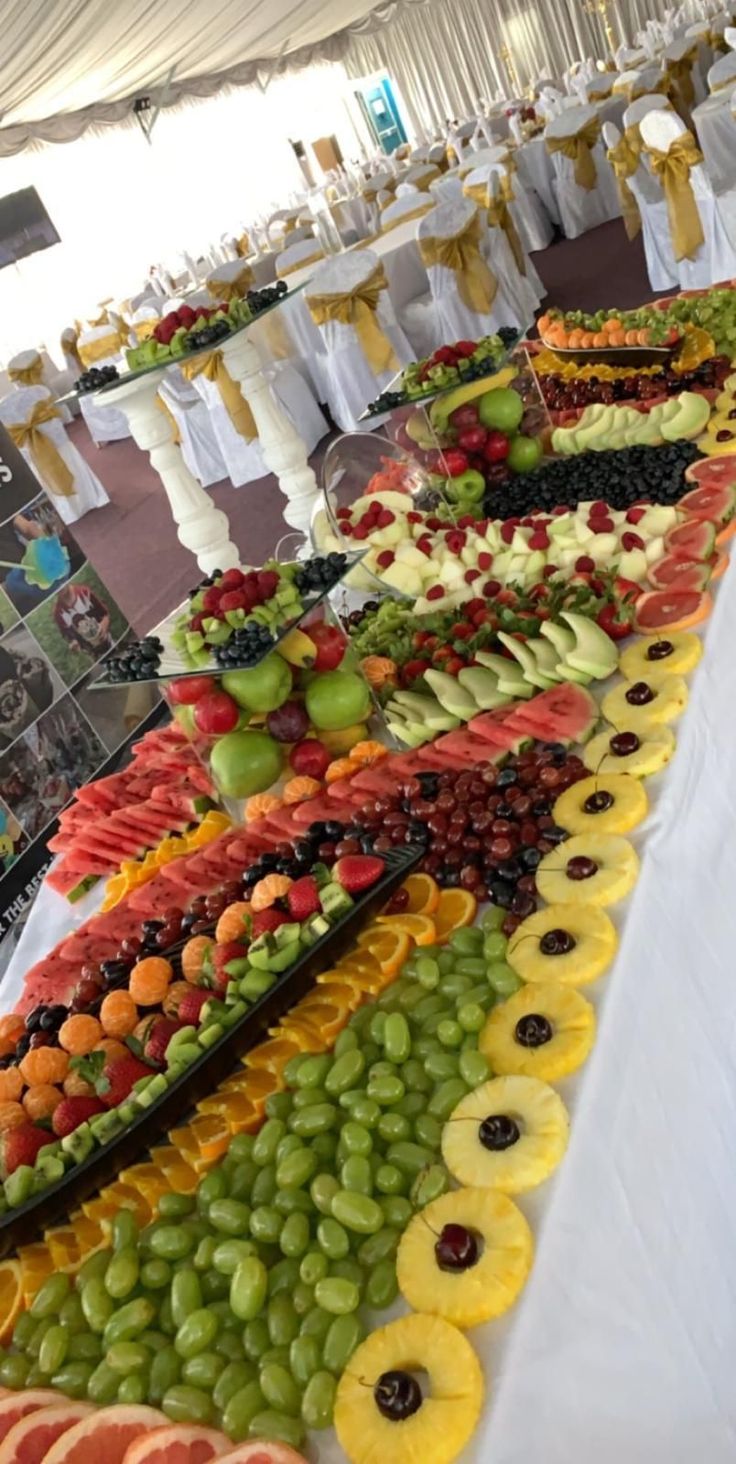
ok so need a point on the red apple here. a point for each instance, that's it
(187, 690)
(472, 439)
(216, 713)
(330, 642)
(310, 758)
(497, 447)
(455, 463)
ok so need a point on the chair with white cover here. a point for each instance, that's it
(281, 223)
(364, 344)
(527, 210)
(419, 155)
(458, 141)
(420, 176)
(702, 246)
(599, 88)
(437, 154)
(448, 188)
(145, 319)
(471, 300)
(383, 182)
(230, 281)
(70, 352)
(298, 256)
(35, 368)
(681, 64)
(32, 419)
(722, 73)
(410, 205)
(584, 184)
(502, 246)
(643, 203)
(192, 427)
(100, 345)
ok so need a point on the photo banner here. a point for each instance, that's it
(57, 619)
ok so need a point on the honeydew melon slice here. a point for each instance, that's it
(595, 652)
(559, 636)
(511, 679)
(451, 695)
(483, 686)
(521, 652)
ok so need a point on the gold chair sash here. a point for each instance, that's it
(721, 85)
(600, 96)
(673, 170)
(55, 473)
(415, 213)
(164, 407)
(369, 195)
(429, 176)
(243, 245)
(661, 88)
(476, 283)
(102, 319)
(27, 375)
(578, 148)
(624, 159)
(91, 351)
(212, 366)
(289, 226)
(718, 42)
(69, 347)
(144, 328)
(500, 217)
(680, 76)
(231, 289)
(358, 307)
(287, 269)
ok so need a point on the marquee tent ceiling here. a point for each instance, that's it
(69, 63)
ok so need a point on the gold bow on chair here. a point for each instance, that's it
(212, 366)
(164, 407)
(430, 174)
(91, 351)
(673, 170)
(55, 474)
(27, 375)
(357, 307)
(718, 42)
(69, 345)
(600, 96)
(102, 319)
(659, 89)
(579, 149)
(369, 194)
(680, 76)
(624, 159)
(233, 289)
(243, 245)
(500, 217)
(476, 283)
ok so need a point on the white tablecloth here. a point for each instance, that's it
(716, 130)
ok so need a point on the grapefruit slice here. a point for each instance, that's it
(712, 472)
(686, 574)
(674, 609)
(694, 539)
(105, 1435)
(713, 499)
(178, 1444)
(263, 1451)
(17, 1405)
(30, 1439)
(718, 564)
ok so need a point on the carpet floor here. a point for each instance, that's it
(132, 542)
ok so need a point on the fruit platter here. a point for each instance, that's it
(233, 618)
(279, 1115)
(448, 366)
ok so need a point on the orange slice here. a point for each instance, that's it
(126, 1198)
(420, 928)
(35, 1265)
(212, 1134)
(63, 1248)
(389, 947)
(423, 892)
(179, 1175)
(338, 992)
(183, 1139)
(101, 1209)
(148, 1179)
(237, 1109)
(11, 1298)
(258, 1086)
(325, 1018)
(90, 1234)
(455, 908)
(272, 1056)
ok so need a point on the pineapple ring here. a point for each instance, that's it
(566, 1013)
(630, 805)
(617, 869)
(595, 945)
(668, 703)
(656, 746)
(684, 656)
(450, 1408)
(484, 1290)
(541, 1118)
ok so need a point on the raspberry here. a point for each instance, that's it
(118, 1014)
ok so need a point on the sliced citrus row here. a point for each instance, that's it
(236, 1107)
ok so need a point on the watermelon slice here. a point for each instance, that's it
(694, 539)
(440, 758)
(466, 743)
(344, 788)
(713, 499)
(687, 574)
(498, 736)
(671, 609)
(564, 713)
(86, 945)
(373, 780)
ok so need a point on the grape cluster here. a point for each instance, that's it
(137, 661)
(620, 477)
(320, 573)
(95, 377)
(248, 645)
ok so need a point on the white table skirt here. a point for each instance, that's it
(621, 1346)
(716, 130)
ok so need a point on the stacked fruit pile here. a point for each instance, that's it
(194, 328)
(447, 367)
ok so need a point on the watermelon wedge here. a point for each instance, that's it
(713, 499)
(432, 756)
(693, 539)
(500, 737)
(671, 609)
(687, 574)
(564, 713)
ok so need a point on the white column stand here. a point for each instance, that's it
(284, 453)
(201, 527)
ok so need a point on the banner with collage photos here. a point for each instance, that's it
(57, 619)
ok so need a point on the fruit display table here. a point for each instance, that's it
(388, 1119)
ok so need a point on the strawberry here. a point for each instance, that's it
(461, 630)
(233, 579)
(230, 950)
(303, 898)
(269, 919)
(415, 668)
(234, 600)
(454, 665)
(357, 872)
(211, 600)
(631, 541)
(190, 1005)
(162, 1031)
(119, 1077)
(71, 1112)
(268, 583)
(20, 1146)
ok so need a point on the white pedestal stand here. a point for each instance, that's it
(200, 526)
(284, 453)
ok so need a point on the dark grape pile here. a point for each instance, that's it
(137, 661)
(320, 573)
(620, 476)
(96, 377)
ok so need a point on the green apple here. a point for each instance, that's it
(501, 409)
(525, 454)
(262, 689)
(337, 699)
(467, 487)
(185, 717)
(244, 763)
